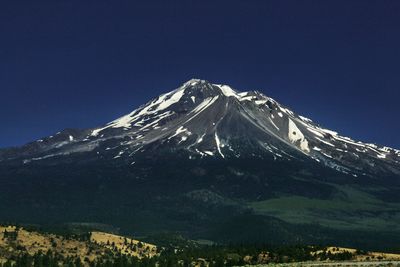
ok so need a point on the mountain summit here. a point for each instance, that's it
(209, 162)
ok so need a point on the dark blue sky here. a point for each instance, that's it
(81, 64)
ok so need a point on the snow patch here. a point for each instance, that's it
(328, 131)
(295, 135)
(273, 123)
(227, 91)
(200, 139)
(326, 155)
(217, 141)
(180, 130)
(347, 140)
(287, 111)
(192, 82)
(183, 138)
(325, 142)
(172, 100)
(247, 98)
(119, 155)
(315, 132)
(305, 119)
(261, 102)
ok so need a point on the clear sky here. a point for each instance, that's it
(80, 64)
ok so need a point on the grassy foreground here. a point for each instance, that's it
(21, 247)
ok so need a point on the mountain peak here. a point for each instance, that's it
(194, 81)
(203, 84)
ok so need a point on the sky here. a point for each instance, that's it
(81, 64)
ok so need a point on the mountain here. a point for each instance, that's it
(212, 120)
(202, 157)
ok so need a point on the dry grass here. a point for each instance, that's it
(125, 245)
(367, 257)
(100, 244)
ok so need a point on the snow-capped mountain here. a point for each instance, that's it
(209, 162)
(208, 120)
